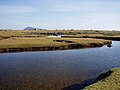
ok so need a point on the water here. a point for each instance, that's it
(55, 70)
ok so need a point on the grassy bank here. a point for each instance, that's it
(40, 44)
(116, 38)
(111, 82)
(37, 40)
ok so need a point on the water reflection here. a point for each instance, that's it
(109, 45)
(79, 86)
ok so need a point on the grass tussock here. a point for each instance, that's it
(112, 82)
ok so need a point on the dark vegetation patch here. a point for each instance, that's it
(104, 75)
(67, 41)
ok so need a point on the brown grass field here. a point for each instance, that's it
(66, 32)
(38, 38)
(44, 41)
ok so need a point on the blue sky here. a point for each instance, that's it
(60, 14)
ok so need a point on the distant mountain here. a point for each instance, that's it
(33, 28)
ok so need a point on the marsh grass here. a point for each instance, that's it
(13, 40)
(40, 42)
(65, 32)
(112, 82)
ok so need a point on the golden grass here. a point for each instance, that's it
(29, 38)
(40, 42)
(111, 82)
(10, 33)
(25, 32)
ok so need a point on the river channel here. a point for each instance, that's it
(55, 70)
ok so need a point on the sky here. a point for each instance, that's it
(60, 14)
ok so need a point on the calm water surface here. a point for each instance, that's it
(54, 70)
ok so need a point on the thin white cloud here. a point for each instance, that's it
(85, 14)
(16, 9)
(83, 7)
(62, 6)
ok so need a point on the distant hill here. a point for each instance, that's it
(32, 28)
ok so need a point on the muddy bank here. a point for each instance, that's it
(108, 38)
(48, 48)
(96, 37)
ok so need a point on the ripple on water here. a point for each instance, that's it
(54, 70)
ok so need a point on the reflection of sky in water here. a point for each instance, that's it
(55, 69)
